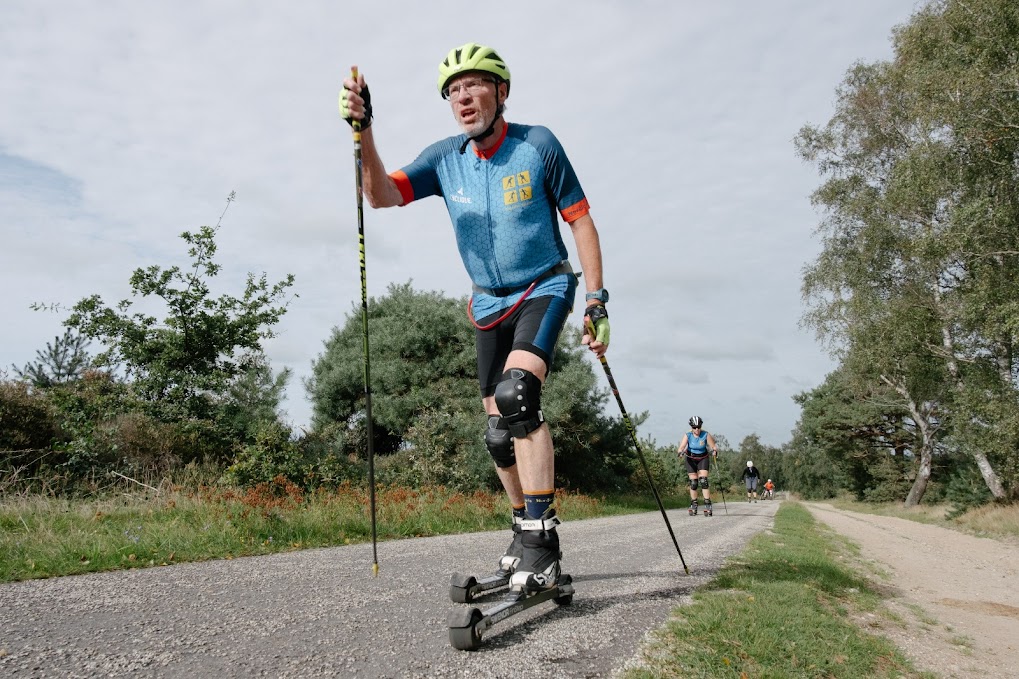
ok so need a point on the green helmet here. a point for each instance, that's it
(472, 57)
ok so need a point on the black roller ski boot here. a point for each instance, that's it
(538, 578)
(539, 568)
(693, 508)
(508, 562)
(707, 508)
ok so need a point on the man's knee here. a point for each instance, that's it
(704, 482)
(518, 397)
(693, 483)
(499, 442)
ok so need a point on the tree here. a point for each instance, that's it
(180, 363)
(426, 404)
(64, 360)
(422, 360)
(848, 430)
(252, 398)
(920, 266)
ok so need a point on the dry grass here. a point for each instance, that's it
(1000, 522)
(995, 521)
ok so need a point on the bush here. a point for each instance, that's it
(26, 419)
(272, 455)
(332, 458)
(139, 445)
(445, 449)
(966, 489)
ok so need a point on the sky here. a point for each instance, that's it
(122, 127)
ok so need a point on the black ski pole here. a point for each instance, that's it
(640, 453)
(722, 492)
(364, 324)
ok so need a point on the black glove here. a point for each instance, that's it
(345, 111)
(598, 321)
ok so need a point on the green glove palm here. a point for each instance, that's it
(345, 107)
(596, 319)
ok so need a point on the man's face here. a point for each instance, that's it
(473, 99)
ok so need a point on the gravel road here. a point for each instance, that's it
(956, 595)
(320, 613)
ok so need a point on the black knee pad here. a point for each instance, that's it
(518, 396)
(704, 482)
(693, 484)
(499, 442)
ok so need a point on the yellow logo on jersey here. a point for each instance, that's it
(520, 179)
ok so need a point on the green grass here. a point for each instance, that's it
(45, 537)
(785, 607)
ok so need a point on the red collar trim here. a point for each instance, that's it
(488, 153)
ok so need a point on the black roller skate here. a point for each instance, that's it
(707, 508)
(693, 508)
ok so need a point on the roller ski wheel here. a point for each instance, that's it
(708, 512)
(464, 634)
(468, 626)
(692, 511)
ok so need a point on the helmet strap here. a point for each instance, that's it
(487, 132)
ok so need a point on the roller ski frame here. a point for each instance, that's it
(463, 589)
(467, 626)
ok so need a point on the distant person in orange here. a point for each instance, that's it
(769, 489)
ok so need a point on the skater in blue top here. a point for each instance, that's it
(505, 186)
(694, 448)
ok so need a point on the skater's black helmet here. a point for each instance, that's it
(696, 422)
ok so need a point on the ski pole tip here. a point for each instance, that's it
(375, 570)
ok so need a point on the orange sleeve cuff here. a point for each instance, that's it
(403, 183)
(575, 211)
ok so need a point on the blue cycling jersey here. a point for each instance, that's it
(503, 204)
(697, 446)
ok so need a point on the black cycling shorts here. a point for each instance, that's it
(534, 326)
(696, 464)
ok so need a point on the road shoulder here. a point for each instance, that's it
(954, 595)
